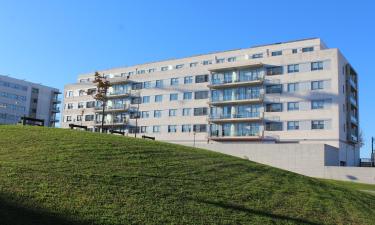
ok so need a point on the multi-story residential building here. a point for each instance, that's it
(292, 92)
(19, 98)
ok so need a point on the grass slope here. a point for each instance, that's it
(56, 176)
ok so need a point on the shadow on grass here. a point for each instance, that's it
(13, 214)
(231, 206)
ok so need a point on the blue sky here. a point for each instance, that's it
(51, 42)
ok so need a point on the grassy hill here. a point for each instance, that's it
(56, 176)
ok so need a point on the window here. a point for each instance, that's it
(173, 112)
(81, 93)
(158, 98)
(274, 89)
(159, 83)
(293, 87)
(222, 60)
(131, 73)
(156, 129)
(317, 104)
(294, 68)
(294, 50)
(164, 68)
(174, 81)
(199, 128)
(293, 125)
(151, 70)
(276, 70)
(293, 106)
(173, 97)
(81, 105)
(202, 111)
(145, 114)
(188, 79)
(79, 117)
(89, 118)
(90, 104)
(157, 113)
(317, 85)
(137, 86)
(180, 66)
(69, 94)
(207, 62)
(308, 49)
(274, 107)
(91, 91)
(201, 95)
(68, 118)
(193, 64)
(186, 128)
(274, 126)
(172, 128)
(147, 84)
(317, 124)
(257, 56)
(34, 90)
(232, 59)
(137, 100)
(146, 99)
(317, 65)
(201, 78)
(70, 106)
(143, 129)
(188, 95)
(276, 53)
(186, 111)
(141, 71)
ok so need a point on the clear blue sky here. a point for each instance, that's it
(51, 42)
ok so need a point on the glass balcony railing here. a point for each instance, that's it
(236, 116)
(237, 133)
(236, 97)
(114, 107)
(114, 93)
(218, 81)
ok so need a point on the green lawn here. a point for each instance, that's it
(56, 176)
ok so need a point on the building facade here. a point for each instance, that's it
(292, 92)
(19, 98)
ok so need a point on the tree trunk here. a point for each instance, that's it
(103, 107)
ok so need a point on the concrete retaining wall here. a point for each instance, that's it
(315, 160)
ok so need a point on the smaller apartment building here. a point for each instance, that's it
(292, 92)
(19, 98)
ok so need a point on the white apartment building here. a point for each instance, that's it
(19, 98)
(292, 92)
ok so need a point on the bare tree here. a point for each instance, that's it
(361, 139)
(102, 85)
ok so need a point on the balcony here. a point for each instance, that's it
(237, 99)
(241, 136)
(352, 83)
(56, 100)
(353, 119)
(114, 122)
(55, 109)
(353, 100)
(118, 94)
(245, 117)
(247, 81)
(115, 108)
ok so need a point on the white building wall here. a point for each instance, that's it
(331, 93)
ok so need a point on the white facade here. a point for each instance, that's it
(292, 92)
(19, 98)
